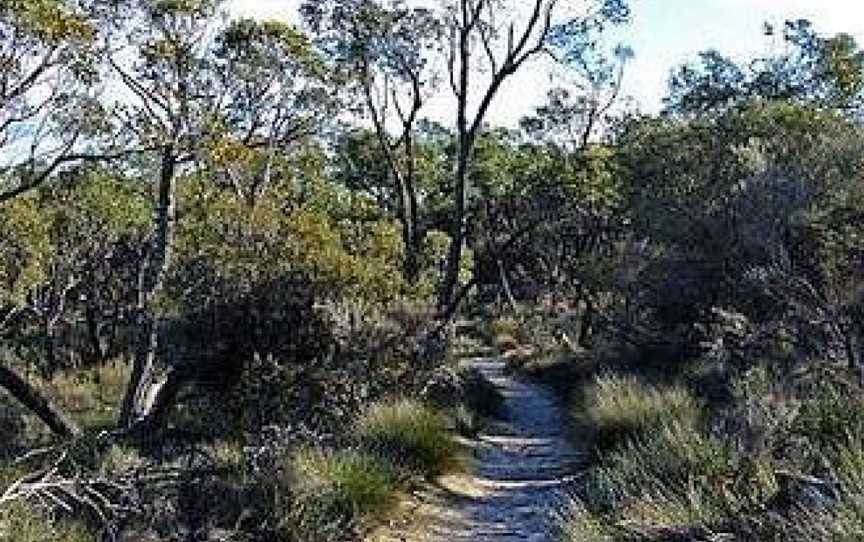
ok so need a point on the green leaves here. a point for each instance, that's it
(49, 20)
(825, 71)
(25, 245)
(269, 44)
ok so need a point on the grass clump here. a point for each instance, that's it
(409, 434)
(20, 523)
(843, 519)
(617, 407)
(505, 327)
(335, 493)
(579, 525)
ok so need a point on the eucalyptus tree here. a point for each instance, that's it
(573, 113)
(486, 34)
(46, 80)
(809, 68)
(386, 53)
(195, 95)
(46, 112)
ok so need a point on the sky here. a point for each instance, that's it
(663, 35)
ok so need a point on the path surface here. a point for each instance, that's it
(523, 465)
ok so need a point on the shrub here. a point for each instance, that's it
(12, 426)
(409, 434)
(505, 343)
(333, 493)
(616, 407)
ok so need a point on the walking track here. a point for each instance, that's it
(518, 481)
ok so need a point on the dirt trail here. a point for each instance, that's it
(523, 466)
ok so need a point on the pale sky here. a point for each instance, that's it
(663, 34)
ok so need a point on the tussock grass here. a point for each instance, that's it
(658, 469)
(505, 327)
(334, 493)
(411, 435)
(577, 524)
(90, 395)
(615, 408)
(20, 523)
(843, 519)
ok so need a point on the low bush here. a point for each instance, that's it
(614, 408)
(411, 435)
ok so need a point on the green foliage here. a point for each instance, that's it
(50, 20)
(811, 68)
(409, 434)
(26, 247)
(505, 326)
(252, 244)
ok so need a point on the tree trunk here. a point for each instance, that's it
(505, 284)
(414, 242)
(147, 334)
(586, 330)
(457, 230)
(37, 403)
(96, 351)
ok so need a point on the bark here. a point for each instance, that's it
(586, 330)
(97, 352)
(505, 284)
(468, 29)
(403, 176)
(457, 232)
(156, 402)
(147, 334)
(38, 403)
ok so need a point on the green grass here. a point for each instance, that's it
(335, 493)
(20, 523)
(657, 468)
(411, 435)
(615, 408)
(505, 327)
(577, 524)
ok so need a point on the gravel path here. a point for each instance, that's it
(523, 465)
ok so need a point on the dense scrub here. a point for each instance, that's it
(224, 313)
